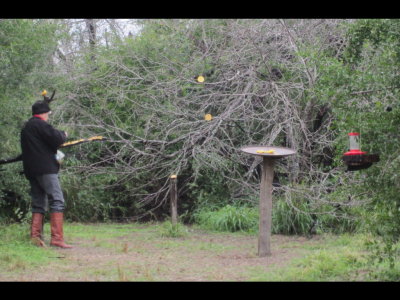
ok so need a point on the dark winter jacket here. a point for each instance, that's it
(39, 143)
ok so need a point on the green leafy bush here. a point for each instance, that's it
(173, 230)
(228, 218)
(289, 219)
(299, 217)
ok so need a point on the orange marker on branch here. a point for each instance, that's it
(208, 117)
(200, 79)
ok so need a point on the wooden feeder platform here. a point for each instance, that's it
(269, 154)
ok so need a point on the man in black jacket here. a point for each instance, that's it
(39, 143)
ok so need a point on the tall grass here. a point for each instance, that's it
(228, 218)
(168, 229)
(294, 218)
(287, 219)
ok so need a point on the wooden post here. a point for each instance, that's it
(269, 154)
(264, 237)
(174, 199)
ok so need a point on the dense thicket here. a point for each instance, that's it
(26, 50)
(302, 84)
(259, 87)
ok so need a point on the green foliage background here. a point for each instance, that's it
(26, 47)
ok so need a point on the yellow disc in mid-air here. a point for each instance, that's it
(44, 93)
(200, 79)
(208, 117)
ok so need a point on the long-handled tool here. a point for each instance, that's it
(80, 141)
(65, 145)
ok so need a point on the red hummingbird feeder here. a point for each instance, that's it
(355, 159)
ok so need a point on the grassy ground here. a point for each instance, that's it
(158, 252)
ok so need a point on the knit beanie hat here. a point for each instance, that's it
(40, 107)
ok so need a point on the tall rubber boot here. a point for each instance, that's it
(37, 229)
(57, 235)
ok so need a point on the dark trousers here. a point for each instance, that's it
(46, 193)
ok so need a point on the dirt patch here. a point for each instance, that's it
(140, 256)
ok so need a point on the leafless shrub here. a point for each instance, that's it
(258, 87)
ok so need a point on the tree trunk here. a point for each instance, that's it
(91, 27)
